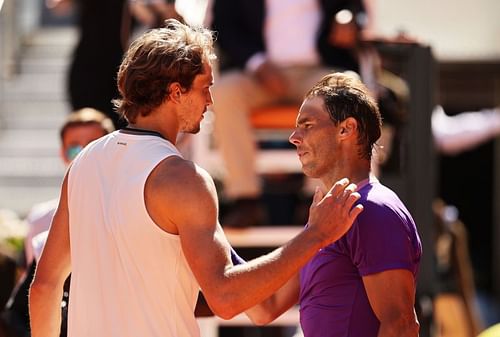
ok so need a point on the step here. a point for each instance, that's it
(31, 114)
(33, 107)
(52, 36)
(20, 199)
(36, 65)
(35, 166)
(46, 87)
(23, 141)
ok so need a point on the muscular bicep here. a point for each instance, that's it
(203, 241)
(391, 295)
(182, 199)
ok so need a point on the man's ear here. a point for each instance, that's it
(175, 92)
(348, 128)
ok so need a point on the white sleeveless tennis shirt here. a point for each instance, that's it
(129, 278)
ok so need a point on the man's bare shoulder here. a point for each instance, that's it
(182, 191)
(178, 173)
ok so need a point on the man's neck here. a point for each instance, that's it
(162, 120)
(355, 174)
(166, 128)
(153, 129)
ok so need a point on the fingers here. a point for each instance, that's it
(343, 194)
(347, 193)
(351, 199)
(348, 197)
(338, 187)
(355, 211)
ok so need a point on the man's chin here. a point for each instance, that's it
(308, 172)
(192, 131)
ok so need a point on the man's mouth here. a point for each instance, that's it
(301, 153)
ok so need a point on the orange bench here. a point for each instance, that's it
(270, 123)
(274, 117)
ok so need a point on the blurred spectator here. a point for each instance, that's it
(452, 135)
(153, 13)
(8, 269)
(104, 31)
(455, 311)
(393, 96)
(12, 232)
(103, 27)
(271, 52)
(80, 128)
(466, 141)
(465, 131)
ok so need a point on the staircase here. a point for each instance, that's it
(33, 106)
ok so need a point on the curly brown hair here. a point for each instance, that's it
(174, 53)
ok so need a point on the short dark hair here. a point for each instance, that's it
(174, 53)
(346, 96)
(86, 116)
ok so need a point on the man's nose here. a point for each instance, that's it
(295, 138)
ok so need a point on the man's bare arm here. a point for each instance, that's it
(392, 297)
(53, 268)
(274, 306)
(182, 197)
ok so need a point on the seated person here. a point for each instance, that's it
(270, 53)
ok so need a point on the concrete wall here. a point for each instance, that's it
(455, 29)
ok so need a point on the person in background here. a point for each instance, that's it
(103, 35)
(271, 52)
(455, 308)
(78, 130)
(153, 13)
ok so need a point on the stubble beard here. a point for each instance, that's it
(192, 130)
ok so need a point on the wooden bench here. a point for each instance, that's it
(274, 117)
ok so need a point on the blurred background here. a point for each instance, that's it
(446, 52)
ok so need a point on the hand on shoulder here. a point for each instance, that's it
(332, 214)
